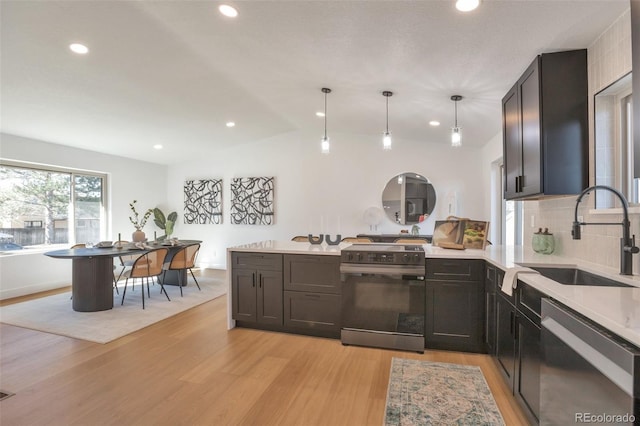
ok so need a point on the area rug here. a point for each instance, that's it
(54, 314)
(435, 393)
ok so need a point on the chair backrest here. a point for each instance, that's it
(79, 245)
(301, 239)
(357, 240)
(410, 240)
(149, 264)
(185, 258)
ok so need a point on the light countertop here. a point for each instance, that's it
(615, 308)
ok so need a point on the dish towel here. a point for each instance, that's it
(511, 278)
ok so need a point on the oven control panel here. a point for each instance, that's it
(397, 258)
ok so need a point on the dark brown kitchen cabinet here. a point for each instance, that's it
(257, 288)
(313, 294)
(455, 304)
(545, 128)
(490, 309)
(518, 345)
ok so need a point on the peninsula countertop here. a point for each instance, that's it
(615, 308)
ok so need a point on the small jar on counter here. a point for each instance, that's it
(543, 242)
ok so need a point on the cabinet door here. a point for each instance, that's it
(243, 295)
(527, 388)
(490, 310)
(453, 315)
(505, 339)
(512, 143)
(269, 297)
(529, 94)
(315, 274)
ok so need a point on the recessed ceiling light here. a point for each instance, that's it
(157, 146)
(467, 5)
(227, 10)
(78, 48)
(434, 123)
(231, 124)
(320, 114)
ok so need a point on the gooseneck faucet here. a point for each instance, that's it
(627, 243)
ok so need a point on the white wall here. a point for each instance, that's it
(128, 180)
(334, 189)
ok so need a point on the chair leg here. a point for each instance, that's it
(115, 283)
(142, 285)
(194, 278)
(180, 282)
(124, 291)
(148, 292)
(162, 289)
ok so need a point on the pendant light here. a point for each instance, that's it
(456, 137)
(324, 144)
(386, 138)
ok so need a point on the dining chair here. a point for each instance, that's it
(410, 241)
(356, 240)
(79, 245)
(146, 266)
(301, 239)
(183, 260)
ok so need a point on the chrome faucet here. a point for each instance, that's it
(627, 243)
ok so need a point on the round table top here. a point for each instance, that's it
(112, 251)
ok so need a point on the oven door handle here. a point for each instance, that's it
(405, 270)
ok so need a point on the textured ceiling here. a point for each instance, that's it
(174, 72)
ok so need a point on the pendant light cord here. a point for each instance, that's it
(387, 114)
(325, 115)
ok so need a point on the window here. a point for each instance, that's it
(614, 151)
(51, 206)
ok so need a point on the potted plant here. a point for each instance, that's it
(138, 235)
(166, 223)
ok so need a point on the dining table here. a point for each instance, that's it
(92, 276)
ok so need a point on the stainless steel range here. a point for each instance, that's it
(383, 296)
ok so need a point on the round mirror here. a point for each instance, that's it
(408, 198)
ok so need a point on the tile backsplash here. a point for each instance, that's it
(599, 244)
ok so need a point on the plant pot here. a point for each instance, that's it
(138, 236)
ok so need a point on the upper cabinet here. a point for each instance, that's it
(545, 128)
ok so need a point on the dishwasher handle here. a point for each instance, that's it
(609, 355)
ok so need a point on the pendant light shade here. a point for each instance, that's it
(324, 143)
(386, 138)
(456, 136)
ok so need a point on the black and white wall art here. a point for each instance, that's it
(203, 201)
(252, 201)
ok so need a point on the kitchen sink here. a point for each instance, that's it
(575, 276)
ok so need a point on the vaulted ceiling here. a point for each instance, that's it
(174, 72)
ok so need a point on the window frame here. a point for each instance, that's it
(73, 172)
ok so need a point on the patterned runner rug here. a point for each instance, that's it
(435, 393)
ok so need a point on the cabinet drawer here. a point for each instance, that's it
(312, 311)
(529, 302)
(316, 274)
(264, 261)
(455, 269)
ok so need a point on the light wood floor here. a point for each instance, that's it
(190, 370)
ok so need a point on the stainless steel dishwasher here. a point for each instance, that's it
(588, 375)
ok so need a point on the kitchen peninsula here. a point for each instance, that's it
(615, 308)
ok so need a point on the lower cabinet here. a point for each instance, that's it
(455, 305)
(518, 346)
(490, 309)
(312, 296)
(257, 290)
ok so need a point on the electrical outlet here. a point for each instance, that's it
(533, 221)
(580, 219)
